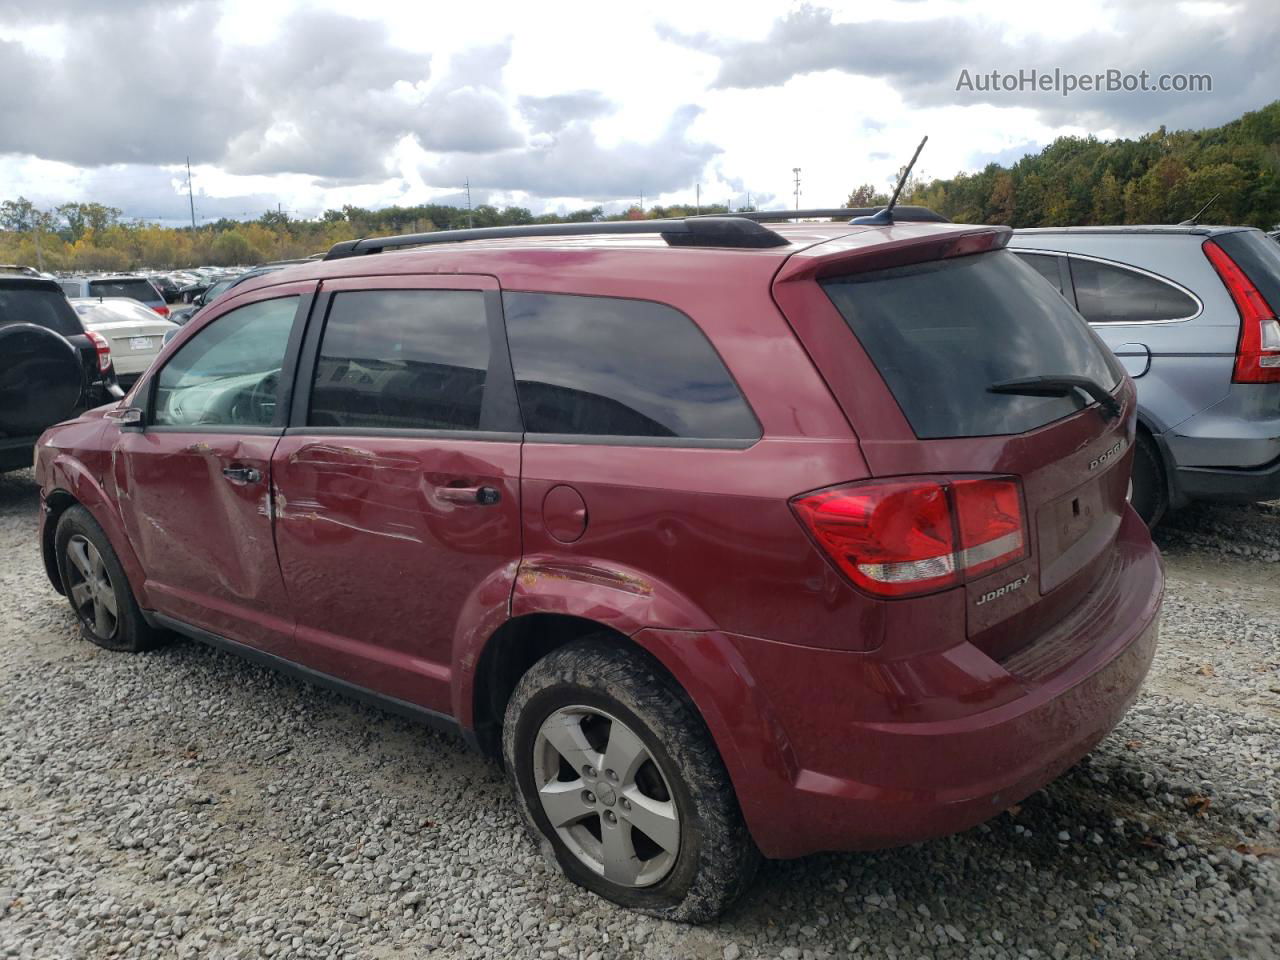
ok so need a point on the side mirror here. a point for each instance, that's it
(124, 416)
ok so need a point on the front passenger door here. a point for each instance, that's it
(194, 483)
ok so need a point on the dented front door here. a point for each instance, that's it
(198, 511)
(193, 481)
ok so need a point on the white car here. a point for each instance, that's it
(135, 333)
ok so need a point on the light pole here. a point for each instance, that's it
(796, 171)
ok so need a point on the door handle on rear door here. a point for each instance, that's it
(481, 496)
(242, 474)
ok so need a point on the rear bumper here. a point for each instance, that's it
(862, 752)
(1237, 485)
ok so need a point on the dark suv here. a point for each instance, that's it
(727, 538)
(51, 367)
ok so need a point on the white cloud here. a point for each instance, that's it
(312, 105)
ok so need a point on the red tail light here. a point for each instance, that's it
(163, 311)
(900, 538)
(103, 347)
(1258, 350)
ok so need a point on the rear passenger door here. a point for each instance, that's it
(398, 480)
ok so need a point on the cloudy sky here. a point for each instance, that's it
(558, 105)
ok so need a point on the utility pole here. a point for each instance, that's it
(470, 222)
(191, 198)
(697, 198)
(36, 232)
(796, 171)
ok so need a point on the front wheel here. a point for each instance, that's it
(616, 772)
(97, 588)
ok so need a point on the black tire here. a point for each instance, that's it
(1150, 495)
(41, 379)
(129, 632)
(717, 859)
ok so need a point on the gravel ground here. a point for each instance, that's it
(185, 803)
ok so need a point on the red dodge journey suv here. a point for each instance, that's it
(730, 538)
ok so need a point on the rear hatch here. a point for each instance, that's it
(941, 319)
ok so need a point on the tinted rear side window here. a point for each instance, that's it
(1046, 266)
(136, 289)
(942, 332)
(603, 366)
(1259, 257)
(39, 305)
(402, 359)
(1113, 294)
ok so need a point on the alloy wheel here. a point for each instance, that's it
(89, 585)
(606, 797)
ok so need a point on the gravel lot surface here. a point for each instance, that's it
(185, 803)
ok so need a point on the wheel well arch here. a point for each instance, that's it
(1167, 467)
(55, 505)
(515, 647)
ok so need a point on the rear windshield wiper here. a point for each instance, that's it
(1060, 385)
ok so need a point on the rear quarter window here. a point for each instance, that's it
(1111, 293)
(942, 332)
(609, 367)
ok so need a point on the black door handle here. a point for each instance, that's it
(484, 496)
(242, 474)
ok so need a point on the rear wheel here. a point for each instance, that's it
(1149, 492)
(616, 772)
(96, 586)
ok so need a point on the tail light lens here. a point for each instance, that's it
(1258, 349)
(906, 537)
(103, 347)
(163, 311)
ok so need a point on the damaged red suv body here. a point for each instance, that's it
(805, 542)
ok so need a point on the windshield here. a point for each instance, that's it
(942, 333)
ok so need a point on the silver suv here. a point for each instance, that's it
(1191, 313)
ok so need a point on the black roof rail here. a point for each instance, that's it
(905, 213)
(708, 231)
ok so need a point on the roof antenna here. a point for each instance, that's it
(1199, 213)
(884, 218)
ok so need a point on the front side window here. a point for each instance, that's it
(1113, 294)
(604, 366)
(402, 359)
(229, 372)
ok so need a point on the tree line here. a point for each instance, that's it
(1161, 177)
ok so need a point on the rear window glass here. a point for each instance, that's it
(136, 289)
(1259, 257)
(41, 306)
(1106, 293)
(604, 366)
(942, 332)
